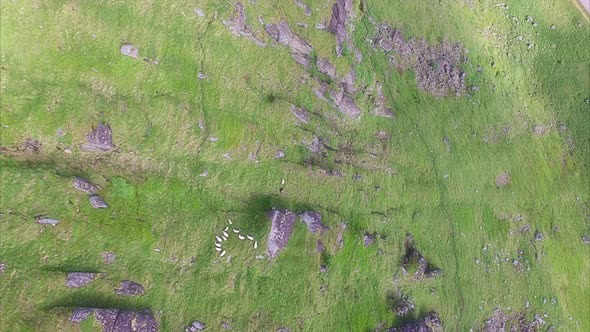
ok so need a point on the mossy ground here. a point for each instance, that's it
(61, 68)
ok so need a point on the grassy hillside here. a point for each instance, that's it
(62, 73)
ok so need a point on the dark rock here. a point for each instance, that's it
(227, 326)
(129, 50)
(323, 268)
(100, 139)
(503, 180)
(85, 186)
(118, 320)
(538, 236)
(79, 279)
(413, 257)
(313, 221)
(97, 202)
(30, 146)
(400, 304)
(195, 326)
(282, 33)
(283, 330)
(48, 221)
(108, 257)
(300, 113)
(585, 239)
(237, 25)
(130, 288)
(326, 67)
(304, 6)
(437, 67)
(282, 223)
(369, 239)
(317, 145)
(319, 248)
(430, 323)
(341, 10)
(345, 104)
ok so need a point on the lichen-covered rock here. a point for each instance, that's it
(85, 186)
(100, 139)
(108, 257)
(368, 239)
(48, 221)
(130, 288)
(79, 279)
(430, 323)
(130, 50)
(118, 320)
(97, 202)
(326, 67)
(341, 10)
(282, 223)
(195, 326)
(300, 113)
(305, 7)
(345, 104)
(503, 180)
(313, 221)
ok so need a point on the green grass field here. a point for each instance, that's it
(61, 69)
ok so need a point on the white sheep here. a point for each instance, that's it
(229, 221)
(255, 244)
(218, 245)
(236, 230)
(250, 237)
(241, 237)
(218, 249)
(222, 254)
(218, 238)
(225, 234)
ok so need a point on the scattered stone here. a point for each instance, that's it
(130, 288)
(212, 139)
(436, 66)
(302, 25)
(341, 10)
(282, 33)
(323, 268)
(118, 320)
(97, 202)
(201, 76)
(130, 50)
(48, 221)
(79, 279)
(320, 26)
(100, 139)
(204, 174)
(447, 143)
(280, 154)
(61, 132)
(196, 326)
(369, 239)
(430, 323)
(313, 221)
(585, 239)
(2, 268)
(538, 236)
(326, 67)
(319, 248)
(85, 186)
(282, 223)
(317, 145)
(283, 330)
(502, 180)
(382, 135)
(237, 25)
(300, 113)
(108, 257)
(304, 6)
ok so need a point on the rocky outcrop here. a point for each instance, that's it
(79, 279)
(238, 27)
(282, 34)
(282, 223)
(130, 288)
(341, 10)
(345, 104)
(313, 220)
(85, 186)
(430, 323)
(300, 113)
(413, 257)
(437, 66)
(97, 202)
(118, 320)
(99, 139)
